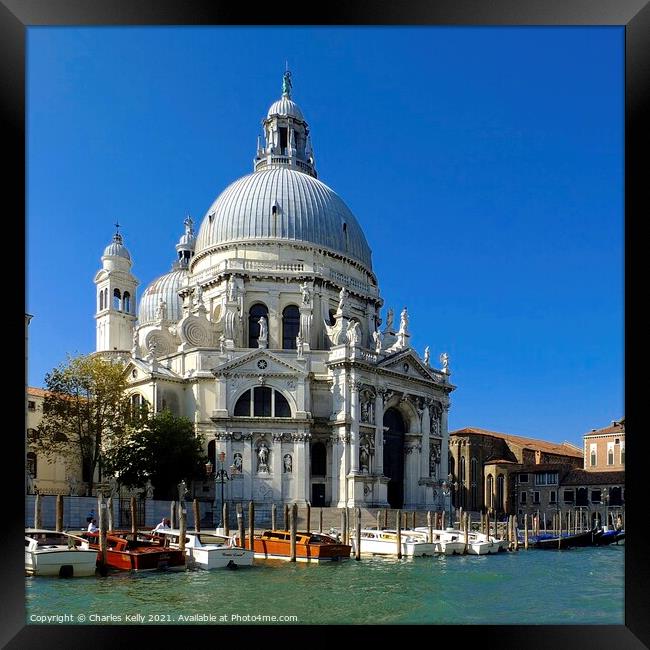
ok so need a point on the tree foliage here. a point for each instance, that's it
(164, 449)
(85, 408)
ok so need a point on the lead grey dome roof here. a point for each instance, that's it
(166, 287)
(306, 210)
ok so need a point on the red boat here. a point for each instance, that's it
(310, 547)
(140, 552)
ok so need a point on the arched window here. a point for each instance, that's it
(290, 327)
(593, 458)
(262, 402)
(451, 464)
(127, 302)
(462, 488)
(106, 298)
(489, 491)
(31, 463)
(139, 406)
(473, 480)
(117, 299)
(101, 300)
(500, 492)
(318, 459)
(256, 312)
(212, 453)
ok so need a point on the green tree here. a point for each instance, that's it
(86, 408)
(164, 449)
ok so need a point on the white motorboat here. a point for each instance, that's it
(384, 542)
(208, 550)
(52, 553)
(477, 543)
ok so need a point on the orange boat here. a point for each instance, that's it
(144, 553)
(310, 547)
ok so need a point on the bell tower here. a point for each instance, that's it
(116, 299)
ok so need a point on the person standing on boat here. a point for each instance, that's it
(164, 523)
(92, 526)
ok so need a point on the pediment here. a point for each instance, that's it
(257, 362)
(143, 371)
(407, 363)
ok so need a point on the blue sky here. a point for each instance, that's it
(485, 166)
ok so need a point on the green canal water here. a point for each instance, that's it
(578, 586)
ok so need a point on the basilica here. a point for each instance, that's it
(266, 333)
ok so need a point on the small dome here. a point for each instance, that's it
(166, 288)
(117, 248)
(287, 108)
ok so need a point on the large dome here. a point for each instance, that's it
(286, 106)
(166, 288)
(281, 203)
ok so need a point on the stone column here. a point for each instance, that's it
(444, 449)
(248, 467)
(275, 320)
(425, 423)
(334, 453)
(276, 467)
(355, 414)
(305, 326)
(379, 432)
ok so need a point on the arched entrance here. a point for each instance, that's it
(394, 456)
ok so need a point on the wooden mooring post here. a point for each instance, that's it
(182, 524)
(443, 520)
(342, 535)
(515, 531)
(386, 518)
(38, 517)
(103, 569)
(286, 516)
(320, 520)
(109, 513)
(308, 518)
(430, 526)
(224, 518)
(292, 523)
(526, 532)
(134, 517)
(240, 527)
(413, 519)
(398, 521)
(59, 513)
(197, 515)
(465, 531)
(357, 554)
(274, 510)
(559, 532)
(379, 519)
(172, 515)
(251, 522)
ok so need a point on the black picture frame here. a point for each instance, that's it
(634, 15)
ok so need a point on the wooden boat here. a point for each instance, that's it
(549, 541)
(207, 550)
(51, 553)
(384, 542)
(606, 536)
(310, 547)
(140, 552)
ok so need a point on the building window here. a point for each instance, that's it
(451, 464)
(127, 302)
(581, 496)
(266, 402)
(622, 454)
(592, 455)
(31, 463)
(610, 456)
(318, 459)
(552, 497)
(523, 478)
(256, 312)
(117, 300)
(546, 478)
(568, 496)
(290, 327)
(522, 499)
(473, 478)
(101, 300)
(31, 405)
(489, 497)
(500, 491)
(596, 496)
(536, 497)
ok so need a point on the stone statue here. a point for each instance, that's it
(364, 458)
(30, 483)
(161, 311)
(426, 356)
(222, 343)
(231, 289)
(286, 84)
(377, 338)
(389, 320)
(365, 414)
(404, 321)
(288, 464)
(135, 340)
(263, 458)
(354, 333)
(237, 462)
(444, 360)
(434, 457)
(148, 489)
(306, 293)
(300, 345)
(343, 295)
(264, 330)
(199, 294)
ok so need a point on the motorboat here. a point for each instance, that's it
(310, 547)
(206, 550)
(384, 542)
(127, 551)
(452, 541)
(52, 553)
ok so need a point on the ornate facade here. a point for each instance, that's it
(267, 334)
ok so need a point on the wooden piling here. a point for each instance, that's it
(240, 527)
(379, 519)
(443, 520)
(347, 526)
(286, 516)
(251, 522)
(559, 534)
(398, 520)
(59, 513)
(109, 513)
(172, 515)
(308, 518)
(430, 526)
(274, 510)
(197, 515)
(526, 532)
(292, 523)
(224, 518)
(515, 531)
(102, 538)
(386, 518)
(465, 530)
(134, 515)
(182, 525)
(357, 555)
(320, 520)
(496, 528)
(38, 517)
(413, 524)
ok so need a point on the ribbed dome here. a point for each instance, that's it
(286, 107)
(166, 287)
(305, 210)
(117, 248)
